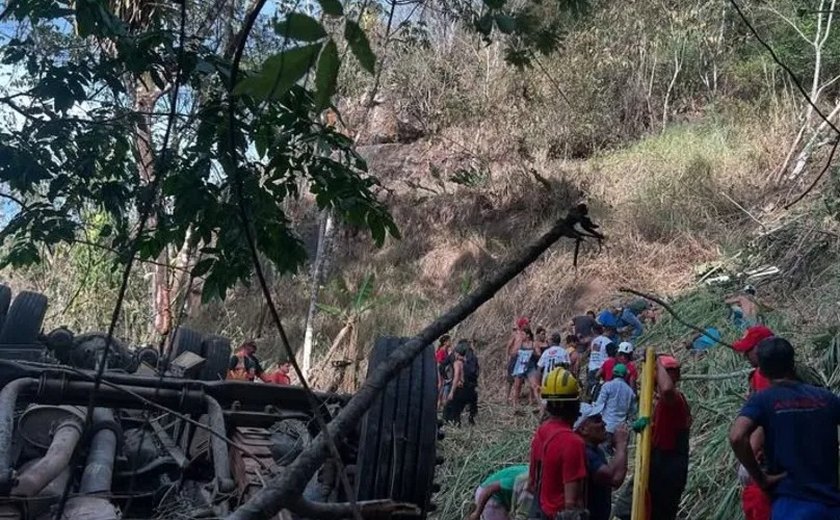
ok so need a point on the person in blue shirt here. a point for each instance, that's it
(610, 317)
(616, 400)
(629, 319)
(602, 474)
(800, 424)
(619, 320)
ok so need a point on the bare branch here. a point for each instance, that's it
(819, 176)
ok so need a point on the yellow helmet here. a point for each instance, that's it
(560, 385)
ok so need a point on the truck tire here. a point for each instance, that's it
(217, 354)
(24, 319)
(5, 300)
(186, 340)
(398, 437)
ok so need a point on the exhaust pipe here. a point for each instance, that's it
(50, 466)
(8, 401)
(99, 468)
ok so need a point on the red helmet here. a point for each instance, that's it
(522, 322)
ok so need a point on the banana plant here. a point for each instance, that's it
(346, 354)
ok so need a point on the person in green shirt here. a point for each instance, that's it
(494, 498)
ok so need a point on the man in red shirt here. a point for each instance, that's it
(557, 471)
(624, 356)
(669, 453)
(280, 376)
(756, 504)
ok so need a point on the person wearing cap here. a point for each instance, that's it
(512, 348)
(800, 423)
(755, 503)
(746, 346)
(603, 476)
(623, 355)
(616, 399)
(495, 497)
(557, 469)
(669, 446)
(671, 427)
(244, 365)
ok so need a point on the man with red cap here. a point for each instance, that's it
(756, 504)
(746, 346)
(669, 447)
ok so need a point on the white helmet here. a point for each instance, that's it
(625, 347)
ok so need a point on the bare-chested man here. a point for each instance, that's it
(515, 341)
(743, 308)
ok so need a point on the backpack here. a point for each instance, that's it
(471, 369)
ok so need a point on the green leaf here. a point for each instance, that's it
(326, 77)
(357, 39)
(364, 293)
(505, 23)
(332, 7)
(301, 27)
(329, 309)
(202, 267)
(279, 73)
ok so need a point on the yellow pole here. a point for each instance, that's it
(643, 440)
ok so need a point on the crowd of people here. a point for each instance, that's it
(785, 436)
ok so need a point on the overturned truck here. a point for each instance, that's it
(175, 440)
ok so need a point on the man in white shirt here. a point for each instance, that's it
(554, 356)
(616, 398)
(597, 356)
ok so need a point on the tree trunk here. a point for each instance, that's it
(325, 228)
(810, 147)
(326, 372)
(144, 103)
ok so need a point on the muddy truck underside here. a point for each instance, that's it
(175, 440)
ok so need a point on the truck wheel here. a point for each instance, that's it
(398, 436)
(24, 319)
(216, 358)
(5, 300)
(186, 340)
